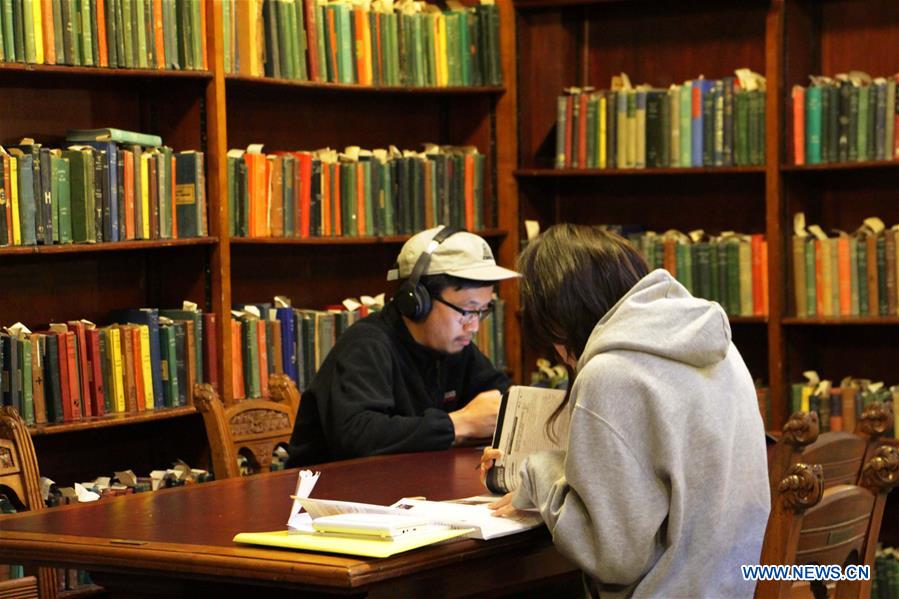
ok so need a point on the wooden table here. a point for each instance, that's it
(177, 542)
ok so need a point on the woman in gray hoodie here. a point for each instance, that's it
(663, 490)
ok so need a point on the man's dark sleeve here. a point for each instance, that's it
(358, 411)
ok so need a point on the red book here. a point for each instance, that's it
(236, 360)
(798, 138)
(77, 328)
(73, 385)
(757, 266)
(336, 222)
(97, 392)
(138, 361)
(312, 14)
(325, 200)
(469, 191)
(210, 350)
(582, 132)
(102, 50)
(159, 46)
(263, 357)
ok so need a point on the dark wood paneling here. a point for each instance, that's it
(661, 43)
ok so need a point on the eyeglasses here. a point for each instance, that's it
(468, 316)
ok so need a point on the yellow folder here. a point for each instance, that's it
(349, 545)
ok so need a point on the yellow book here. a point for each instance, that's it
(114, 351)
(442, 59)
(38, 32)
(146, 368)
(806, 394)
(145, 194)
(347, 544)
(601, 142)
(14, 188)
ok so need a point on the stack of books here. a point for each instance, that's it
(108, 185)
(730, 268)
(77, 370)
(846, 118)
(699, 123)
(845, 274)
(133, 34)
(357, 192)
(380, 43)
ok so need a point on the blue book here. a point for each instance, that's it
(700, 88)
(110, 199)
(149, 317)
(288, 342)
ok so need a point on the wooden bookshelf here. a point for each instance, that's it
(361, 240)
(108, 420)
(119, 246)
(786, 40)
(21, 68)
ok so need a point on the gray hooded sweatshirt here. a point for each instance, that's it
(663, 491)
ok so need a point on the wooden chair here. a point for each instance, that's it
(840, 454)
(839, 524)
(19, 476)
(282, 389)
(251, 427)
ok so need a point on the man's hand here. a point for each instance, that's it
(478, 417)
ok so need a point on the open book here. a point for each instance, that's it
(521, 429)
(378, 535)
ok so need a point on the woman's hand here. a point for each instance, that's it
(503, 508)
(487, 458)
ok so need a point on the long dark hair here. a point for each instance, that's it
(571, 276)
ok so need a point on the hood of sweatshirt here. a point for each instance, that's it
(659, 316)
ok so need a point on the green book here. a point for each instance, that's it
(591, 116)
(227, 28)
(181, 362)
(27, 385)
(369, 200)
(9, 40)
(27, 8)
(864, 93)
(300, 42)
(826, 125)
(197, 318)
(58, 27)
(386, 198)
(19, 30)
(169, 362)
(53, 391)
(112, 54)
(196, 41)
(126, 30)
(85, 36)
(428, 44)
(811, 293)
(813, 115)
(882, 304)
(81, 194)
(345, 43)
(321, 45)
(139, 14)
(479, 165)
(283, 22)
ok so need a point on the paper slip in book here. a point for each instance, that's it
(521, 430)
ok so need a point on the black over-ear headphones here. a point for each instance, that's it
(412, 298)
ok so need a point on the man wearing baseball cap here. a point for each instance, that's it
(409, 378)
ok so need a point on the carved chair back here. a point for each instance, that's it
(251, 427)
(282, 389)
(836, 525)
(20, 481)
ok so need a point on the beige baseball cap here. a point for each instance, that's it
(462, 254)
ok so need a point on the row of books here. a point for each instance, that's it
(845, 274)
(355, 192)
(78, 370)
(99, 191)
(700, 123)
(274, 337)
(846, 118)
(145, 34)
(729, 268)
(840, 407)
(885, 577)
(367, 43)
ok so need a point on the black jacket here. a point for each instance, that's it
(379, 391)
